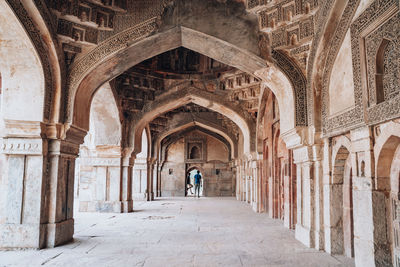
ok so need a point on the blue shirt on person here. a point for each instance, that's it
(197, 178)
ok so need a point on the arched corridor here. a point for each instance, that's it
(109, 108)
(179, 232)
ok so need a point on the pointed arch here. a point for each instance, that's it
(172, 100)
(202, 125)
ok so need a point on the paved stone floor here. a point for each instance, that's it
(178, 232)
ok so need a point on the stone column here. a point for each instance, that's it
(369, 205)
(318, 196)
(149, 190)
(259, 185)
(60, 195)
(126, 181)
(331, 209)
(22, 219)
(159, 180)
(155, 178)
(287, 196)
(271, 195)
(254, 173)
(305, 195)
(309, 227)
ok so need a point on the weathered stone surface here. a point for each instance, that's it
(292, 106)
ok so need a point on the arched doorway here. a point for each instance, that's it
(386, 203)
(190, 173)
(341, 211)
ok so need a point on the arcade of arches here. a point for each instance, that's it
(292, 106)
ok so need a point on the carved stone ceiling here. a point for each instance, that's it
(82, 24)
(289, 25)
(182, 68)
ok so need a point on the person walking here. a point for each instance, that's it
(188, 185)
(197, 182)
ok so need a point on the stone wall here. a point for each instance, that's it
(98, 177)
(215, 167)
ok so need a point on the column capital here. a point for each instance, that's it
(310, 153)
(299, 136)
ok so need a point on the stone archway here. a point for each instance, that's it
(82, 85)
(386, 198)
(83, 82)
(171, 100)
(203, 125)
(340, 224)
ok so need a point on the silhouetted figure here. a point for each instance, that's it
(188, 185)
(197, 182)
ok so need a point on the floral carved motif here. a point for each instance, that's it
(296, 77)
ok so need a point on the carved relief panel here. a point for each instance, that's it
(383, 61)
(195, 149)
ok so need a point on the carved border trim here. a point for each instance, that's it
(299, 83)
(390, 108)
(103, 50)
(353, 116)
(321, 22)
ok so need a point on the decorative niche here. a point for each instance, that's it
(195, 150)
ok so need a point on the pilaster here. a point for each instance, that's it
(370, 248)
(127, 162)
(24, 181)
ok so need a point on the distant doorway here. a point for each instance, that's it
(190, 186)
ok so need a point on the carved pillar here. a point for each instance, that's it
(149, 190)
(248, 182)
(318, 197)
(254, 174)
(126, 181)
(155, 178)
(239, 180)
(39, 184)
(369, 205)
(331, 208)
(287, 192)
(61, 176)
(23, 219)
(271, 189)
(259, 184)
(305, 227)
(159, 167)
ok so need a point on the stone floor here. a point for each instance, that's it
(178, 232)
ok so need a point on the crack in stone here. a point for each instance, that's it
(52, 258)
(87, 252)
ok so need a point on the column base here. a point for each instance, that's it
(126, 206)
(254, 206)
(304, 235)
(150, 197)
(22, 236)
(60, 233)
